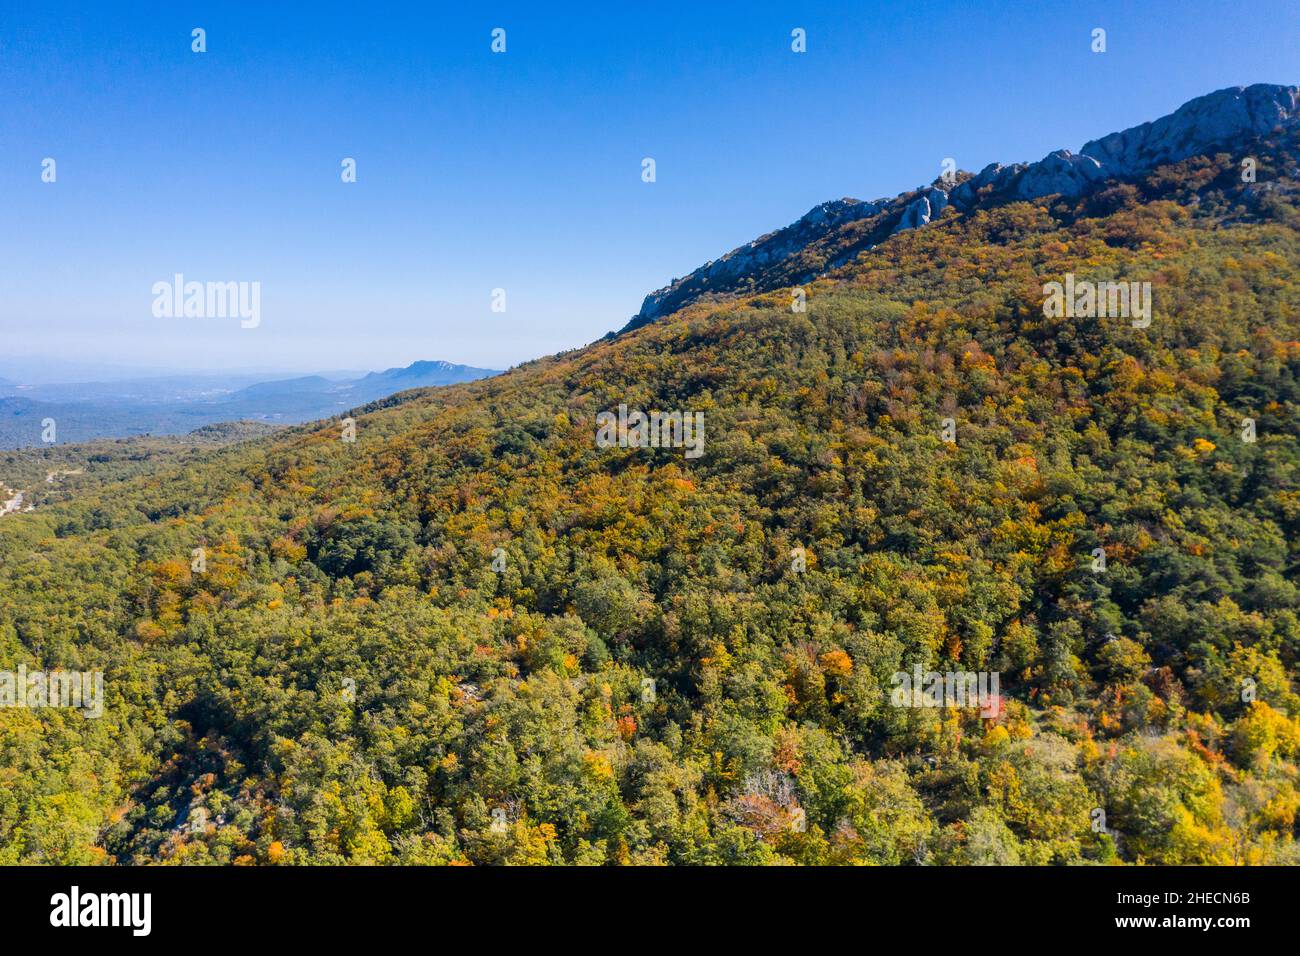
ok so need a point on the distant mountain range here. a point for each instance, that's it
(176, 404)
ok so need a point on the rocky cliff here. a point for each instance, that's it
(833, 232)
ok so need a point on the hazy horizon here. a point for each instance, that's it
(55, 370)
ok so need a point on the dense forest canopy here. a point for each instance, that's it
(473, 635)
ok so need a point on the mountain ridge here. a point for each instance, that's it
(1199, 125)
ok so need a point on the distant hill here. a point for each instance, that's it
(176, 405)
(315, 396)
(423, 374)
(287, 386)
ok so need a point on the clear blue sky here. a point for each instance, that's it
(520, 170)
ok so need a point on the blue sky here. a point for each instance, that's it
(521, 170)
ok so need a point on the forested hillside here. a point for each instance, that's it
(650, 670)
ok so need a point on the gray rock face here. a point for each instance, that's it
(994, 174)
(1212, 120)
(1218, 120)
(924, 208)
(1061, 172)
